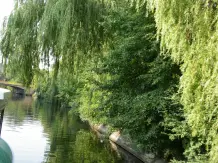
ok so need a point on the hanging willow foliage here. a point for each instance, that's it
(56, 29)
(188, 31)
(19, 44)
(69, 26)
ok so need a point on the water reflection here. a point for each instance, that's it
(72, 141)
(44, 133)
(23, 132)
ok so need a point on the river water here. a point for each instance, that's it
(39, 132)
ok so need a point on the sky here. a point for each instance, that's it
(6, 6)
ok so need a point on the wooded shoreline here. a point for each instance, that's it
(146, 67)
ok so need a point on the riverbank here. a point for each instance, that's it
(120, 139)
(126, 143)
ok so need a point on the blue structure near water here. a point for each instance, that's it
(6, 155)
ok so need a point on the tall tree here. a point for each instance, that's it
(187, 30)
(19, 44)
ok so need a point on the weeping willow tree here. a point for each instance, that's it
(54, 29)
(19, 44)
(188, 33)
(70, 26)
(68, 29)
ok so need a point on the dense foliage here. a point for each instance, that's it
(187, 30)
(119, 63)
(140, 83)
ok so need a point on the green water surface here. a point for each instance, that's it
(40, 132)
